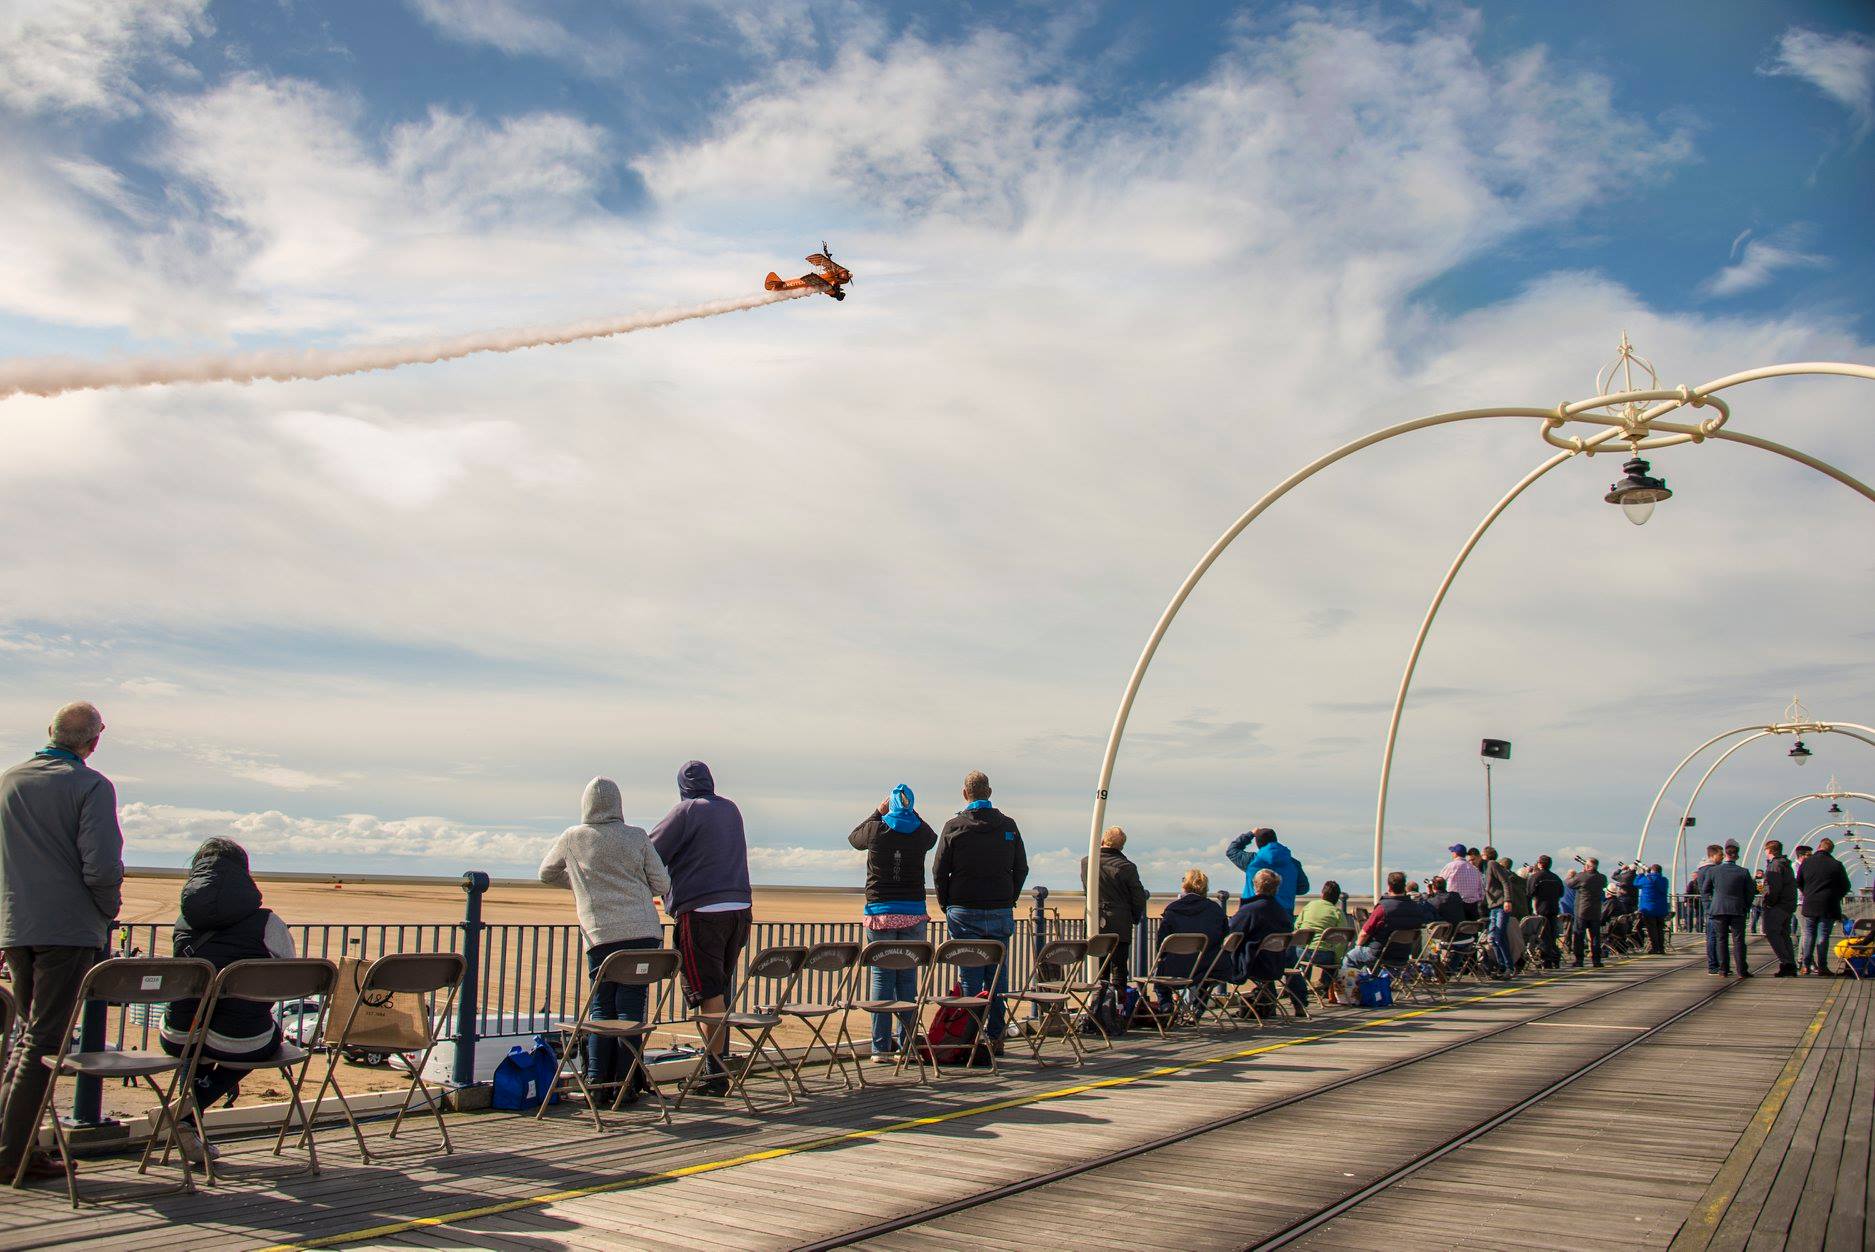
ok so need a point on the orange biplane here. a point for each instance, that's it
(830, 281)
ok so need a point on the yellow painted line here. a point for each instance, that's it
(1703, 1224)
(892, 1128)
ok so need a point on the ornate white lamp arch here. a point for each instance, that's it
(1847, 825)
(1796, 721)
(1767, 825)
(1631, 417)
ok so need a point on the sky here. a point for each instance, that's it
(1118, 274)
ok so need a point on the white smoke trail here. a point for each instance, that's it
(55, 376)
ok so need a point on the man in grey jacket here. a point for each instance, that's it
(61, 880)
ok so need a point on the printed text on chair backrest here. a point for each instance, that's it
(147, 980)
(639, 967)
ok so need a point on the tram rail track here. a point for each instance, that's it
(1301, 1227)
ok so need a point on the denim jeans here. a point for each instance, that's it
(1725, 940)
(612, 1002)
(1816, 932)
(1500, 939)
(984, 924)
(894, 984)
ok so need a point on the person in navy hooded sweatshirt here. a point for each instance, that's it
(704, 848)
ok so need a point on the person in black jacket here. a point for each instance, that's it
(1589, 885)
(1123, 900)
(1449, 906)
(223, 922)
(1780, 905)
(1823, 882)
(1257, 918)
(895, 840)
(979, 871)
(1193, 913)
(1546, 891)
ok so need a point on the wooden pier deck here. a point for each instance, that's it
(1746, 1120)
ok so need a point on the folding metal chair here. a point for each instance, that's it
(1318, 957)
(124, 981)
(1467, 953)
(1210, 991)
(1532, 956)
(425, 975)
(1400, 957)
(1052, 1008)
(1187, 946)
(962, 954)
(1079, 989)
(629, 967)
(1272, 987)
(893, 954)
(755, 1023)
(268, 982)
(839, 961)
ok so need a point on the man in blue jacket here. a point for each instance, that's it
(1728, 891)
(1270, 855)
(1655, 903)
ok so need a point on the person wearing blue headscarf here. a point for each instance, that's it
(895, 840)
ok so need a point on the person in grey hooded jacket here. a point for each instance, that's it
(61, 882)
(616, 877)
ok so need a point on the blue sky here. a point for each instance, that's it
(1118, 274)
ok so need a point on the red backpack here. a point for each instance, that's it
(946, 1040)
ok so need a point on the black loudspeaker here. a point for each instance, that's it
(1495, 750)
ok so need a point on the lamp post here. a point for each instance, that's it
(1767, 825)
(1488, 751)
(1640, 418)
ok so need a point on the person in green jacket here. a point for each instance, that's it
(1322, 915)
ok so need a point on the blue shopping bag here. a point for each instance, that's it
(1376, 990)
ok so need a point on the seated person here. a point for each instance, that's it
(223, 922)
(1395, 911)
(1321, 916)
(1194, 912)
(1259, 917)
(1447, 906)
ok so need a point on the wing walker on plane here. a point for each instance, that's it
(830, 281)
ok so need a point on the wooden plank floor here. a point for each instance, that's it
(1237, 1185)
(1630, 1152)
(841, 1161)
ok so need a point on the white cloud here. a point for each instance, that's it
(158, 688)
(408, 467)
(351, 836)
(1842, 67)
(1755, 262)
(78, 55)
(521, 29)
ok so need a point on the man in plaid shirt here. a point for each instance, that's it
(1465, 879)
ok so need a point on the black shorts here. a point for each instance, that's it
(710, 944)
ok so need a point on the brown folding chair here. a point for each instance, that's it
(425, 975)
(266, 982)
(962, 954)
(839, 961)
(755, 1023)
(1181, 946)
(1400, 957)
(895, 954)
(1270, 989)
(1204, 1004)
(124, 981)
(630, 967)
(1318, 957)
(1052, 1008)
(1078, 989)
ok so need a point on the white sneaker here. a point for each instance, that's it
(193, 1149)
